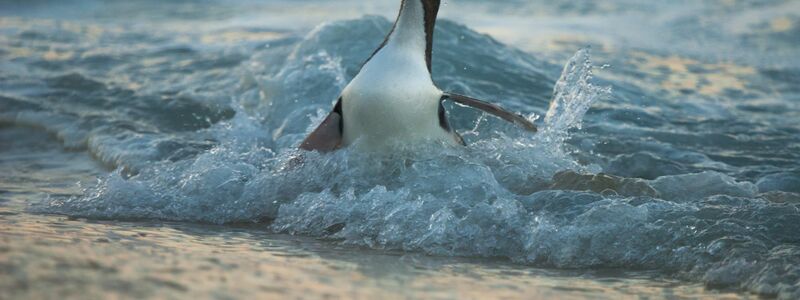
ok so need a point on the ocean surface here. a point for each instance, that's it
(148, 149)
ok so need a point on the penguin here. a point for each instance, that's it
(393, 98)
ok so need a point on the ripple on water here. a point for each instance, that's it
(205, 134)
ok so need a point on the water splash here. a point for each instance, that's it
(243, 179)
(573, 94)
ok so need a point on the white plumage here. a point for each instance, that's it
(393, 98)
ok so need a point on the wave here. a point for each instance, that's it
(536, 200)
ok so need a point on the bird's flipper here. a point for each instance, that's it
(492, 109)
(328, 135)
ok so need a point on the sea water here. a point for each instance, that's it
(668, 144)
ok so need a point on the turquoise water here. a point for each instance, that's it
(188, 113)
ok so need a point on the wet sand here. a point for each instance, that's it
(51, 257)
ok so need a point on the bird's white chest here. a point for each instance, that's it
(391, 100)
